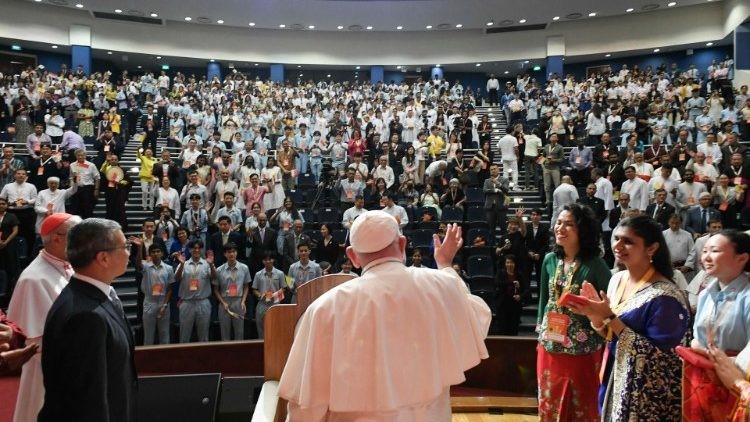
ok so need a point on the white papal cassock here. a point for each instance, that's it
(385, 347)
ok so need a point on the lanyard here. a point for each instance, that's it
(562, 282)
(621, 288)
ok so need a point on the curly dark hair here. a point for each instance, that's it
(589, 232)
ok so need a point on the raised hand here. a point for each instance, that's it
(446, 249)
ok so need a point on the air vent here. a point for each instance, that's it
(133, 12)
(298, 26)
(650, 6)
(537, 27)
(355, 27)
(444, 26)
(203, 19)
(127, 18)
(573, 16)
(59, 2)
(506, 22)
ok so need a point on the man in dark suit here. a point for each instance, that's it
(660, 210)
(537, 241)
(596, 204)
(620, 211)
(222, 237)
(88, 366)
(696, 221)
(495, 190)
(291, 240)
(261, 240)
(605, 153)
(172, 171)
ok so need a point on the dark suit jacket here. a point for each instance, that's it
(173, 172)
(495, 200)
(662, 216)
(88, 360)
(539, 243)
(289, 250)
(215, 245)
(694, 217)
(259, 248)
(596, 205)
(614, 216)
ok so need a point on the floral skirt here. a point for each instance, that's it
(568, 386)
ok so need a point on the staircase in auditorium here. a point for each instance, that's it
(128, 290)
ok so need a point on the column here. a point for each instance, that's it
(741, 56)
(277, 73)
(80, 47)
(436, 72)
(555, 54)
(213, 69)
(377, 74)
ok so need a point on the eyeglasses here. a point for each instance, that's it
(128, 244)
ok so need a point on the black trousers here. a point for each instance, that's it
(492, 100)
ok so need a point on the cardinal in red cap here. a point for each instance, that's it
(37, 288)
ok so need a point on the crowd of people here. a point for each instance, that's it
(257, 184)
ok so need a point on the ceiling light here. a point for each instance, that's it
(300, 74)
(525, 62)
(506, 72)
(490, 23)
(656, 50)
(437, 65)
(298, 66)
(252, 24)
(399, 27)
(328, 75)
(79, 5)
(672, 3)
(158, 57)
(458, 25)
(188, 18)
(522, 21)
(478, 64)
(220, 21)
(139, 66)
(628, 10)
(537, 68)
(607, 55)
(340, 27)
(109, 52)
(38, 1)
(118, 10)
(15, 47)
(282, 26)
(709, 44)
(54, 46)
(428, 27)
(357, 67)
(212, 60)
(369, 27)
(398, 67)
(556, 18)
(592, 14)
(154, 15)
(255, 64)
(311, 27)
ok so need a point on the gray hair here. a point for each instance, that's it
(91, 236)
(70, 222)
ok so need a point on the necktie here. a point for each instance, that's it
(262, 234)
(704, 220)
(656, 210)
(116, 301)
(224, 238)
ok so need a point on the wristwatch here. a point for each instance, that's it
(609, 319)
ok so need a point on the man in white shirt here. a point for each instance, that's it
(508, 147)
(389, 371)
(680, 243)
(352, 213)
(565, 194)
(396, 211)
(37, 288)
(663, 180)
(492, 86)
(530, 155)
(52, 200)
(637, 188)
(385, 171)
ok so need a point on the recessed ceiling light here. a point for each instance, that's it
(139, 66)
(188, 18)
(79, 5)
(490, 23)
(629, 9)
(38, 1)
(428, 27)
(399, 27)
(311, 27)
(478, 64)
(398, 67)
(656, 50)
(458, 25)
(672, 3)
(256, 64)
(709, 44)
(298, 66)
(328, 75)
(158, 57)
(522, 21)
(592, 14)
(506, 72)
(282, 26)
(220, 21)
(212, 60)
(54, 46)
(556, 18)
(357, 67)
(118, 10)
(437, 65)
(154, 15)
(607, 55)
(525, 62)
(369, 27)
(252, 24)
(340, 27)
(301, 74)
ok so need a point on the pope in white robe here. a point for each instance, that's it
(388, 345)
(37, 288)
(52, 200)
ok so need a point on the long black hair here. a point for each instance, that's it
(740, 241)
(589, 232)
(649, 230)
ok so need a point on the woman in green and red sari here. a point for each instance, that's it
(569, 351)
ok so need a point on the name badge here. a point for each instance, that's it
(723, 206)
(557, 328)
(737, 181)
(193, 286)
(232, 290)
(156, 289)
(40, 171)
(682, 157)
(106, 148)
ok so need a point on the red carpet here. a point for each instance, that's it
(8, 394)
